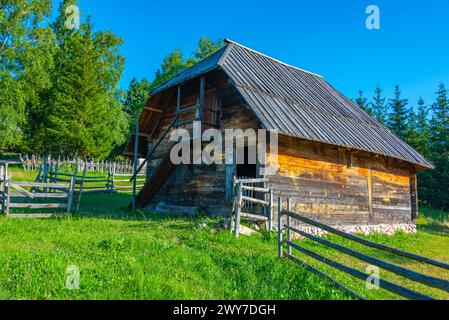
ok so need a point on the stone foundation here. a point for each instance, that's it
(388, 229)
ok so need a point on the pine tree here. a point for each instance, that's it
(379, 107)
(397, 121)
(362, 102)
(422, 128)
(83, 115)
(439, 130)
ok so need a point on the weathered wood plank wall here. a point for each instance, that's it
(343, 187)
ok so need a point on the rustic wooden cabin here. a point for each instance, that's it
(337, 164)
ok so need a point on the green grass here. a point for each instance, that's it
(126, 254)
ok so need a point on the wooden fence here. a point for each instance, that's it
(34, 163)
(287, 226)
(246, 191)
(32, 196)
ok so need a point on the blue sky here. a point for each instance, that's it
(322, 36)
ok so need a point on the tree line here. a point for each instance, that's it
(59, 85)
(425, 127)
(60, 95)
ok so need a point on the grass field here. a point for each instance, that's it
(139, 255)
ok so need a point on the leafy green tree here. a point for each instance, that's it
(25, 58)
(176, 62)
(83, 115)
(205, 48)
(378, 106)
(135, 98)
(398, 120)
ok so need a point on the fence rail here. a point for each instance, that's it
(417, 277)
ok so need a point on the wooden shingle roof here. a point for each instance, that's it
(300, 103)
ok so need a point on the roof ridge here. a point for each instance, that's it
(271, 58)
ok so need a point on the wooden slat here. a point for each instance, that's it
(253, 216)
(384, 284)
(252, 180)
(42, 185)
(366, 242)
(38, 205)
(35, 216)
(22, 191)
(41, 195)
(255, 189)
(407, 273)
(262, 202)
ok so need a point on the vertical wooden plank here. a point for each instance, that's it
(2, 188)
(271, 211)
(178, 108)
(280, 229)
(136, 150)
(202, 98)
(370, 187)
(289, 232)
(78, 202)
(149, 172)
(69, 200)
(414, 194)
(238, 209)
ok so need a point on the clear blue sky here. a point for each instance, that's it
(326, 37)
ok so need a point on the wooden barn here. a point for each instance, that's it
(336, 163)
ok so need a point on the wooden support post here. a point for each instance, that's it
(2, 188)
(370, 188)
(289, 232)
(70, 197)
(238, 209)
(200, 111)
(149, 172)
(414, 195)
(136, 158)
(45, 173)
(78, 202)
(113, 178)
(7, 192)
(178, 107)
(271, 211)
(280, 229)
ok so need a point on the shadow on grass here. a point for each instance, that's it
(435, 227)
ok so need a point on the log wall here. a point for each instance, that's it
(342, 187)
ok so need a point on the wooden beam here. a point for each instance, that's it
(152, 109)
(414, 194)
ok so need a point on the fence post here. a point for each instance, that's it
(113, 178)
(2, 184)
(7, 193)
(80, 190)
(280, 228)
(289, 232)
(136, 157)
(69, 202)
(270, 211)
(238, 208)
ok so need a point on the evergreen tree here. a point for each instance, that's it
(83, 116)
(362, 102)
(422, 128)
(379, 107)
(439, 130)
(398, 121)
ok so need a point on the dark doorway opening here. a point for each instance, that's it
(248, 169)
